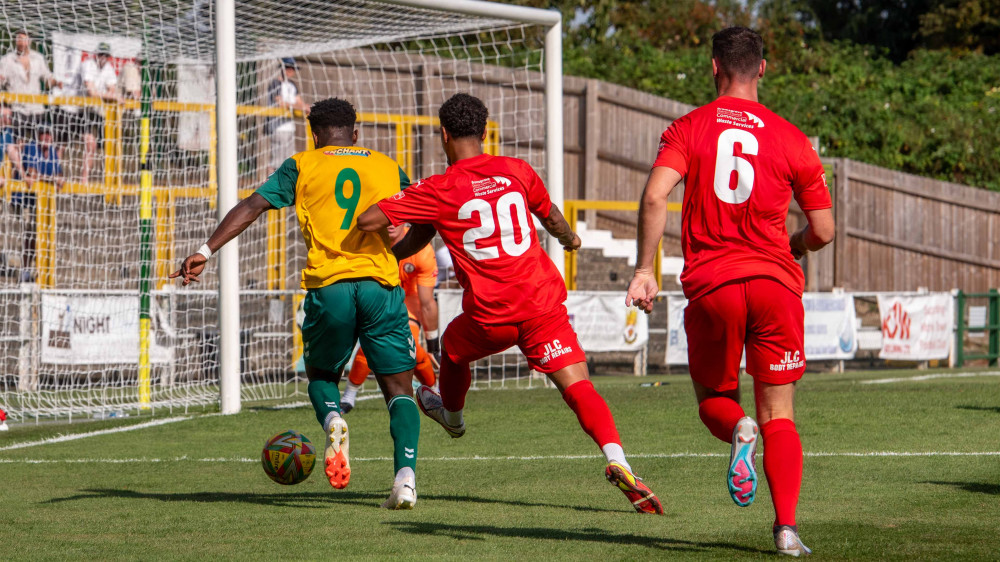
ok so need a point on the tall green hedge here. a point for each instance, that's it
(935, 114)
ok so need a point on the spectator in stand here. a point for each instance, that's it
(7, 146)
(97, 79)
(22, 71)
(283, 93)
(40, 162)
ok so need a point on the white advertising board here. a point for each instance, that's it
(831, 331)
(600, 318)
(93, 330)
(830, 328)
(917, 327)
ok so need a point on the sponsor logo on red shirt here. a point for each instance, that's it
(490, 185)
(743, 119)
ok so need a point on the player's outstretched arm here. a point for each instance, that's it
(416, 238)
(235, 222)
(556, 225)
(817, 233)
(652, 219)
(373, 219)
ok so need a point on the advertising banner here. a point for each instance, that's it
(830, 328)
(917, 327)
(677, 343)
(831, 331)
(600, 318)
(93, 330)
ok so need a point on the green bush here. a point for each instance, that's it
(936, 114)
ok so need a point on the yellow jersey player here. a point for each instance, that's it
(351, 278)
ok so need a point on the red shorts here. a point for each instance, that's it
(548, 341)
(759, 313)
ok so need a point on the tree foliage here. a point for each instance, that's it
(933, 112)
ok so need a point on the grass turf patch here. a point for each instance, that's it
(524, 482)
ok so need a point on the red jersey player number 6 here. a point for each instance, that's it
(734, 174)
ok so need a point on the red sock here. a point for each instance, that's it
(783, 467)
(593, 413)
(455, 382)
(720, 414)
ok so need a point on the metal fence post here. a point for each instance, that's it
(994, 326)
(960, 329)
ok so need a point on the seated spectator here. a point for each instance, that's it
(40, 159)
(40, 162)
(8, 147)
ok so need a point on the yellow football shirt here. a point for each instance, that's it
(330, 187)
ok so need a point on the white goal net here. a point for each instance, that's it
(91, 86)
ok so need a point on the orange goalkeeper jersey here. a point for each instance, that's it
(418, 270)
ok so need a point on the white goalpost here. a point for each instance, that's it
(161, 116)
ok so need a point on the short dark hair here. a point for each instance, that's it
(332, 113)
(738, 51)
(464, 115)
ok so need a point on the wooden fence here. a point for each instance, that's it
(895, 231)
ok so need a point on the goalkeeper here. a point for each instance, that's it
(351, 278)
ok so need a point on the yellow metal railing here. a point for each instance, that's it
(113, 188)
(574, 206)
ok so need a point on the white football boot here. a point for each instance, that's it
(404, 490)
(787, 541)
(430, 404)
(337, 464)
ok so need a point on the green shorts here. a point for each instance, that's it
(338, 315)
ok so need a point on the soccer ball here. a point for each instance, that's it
(288, 457)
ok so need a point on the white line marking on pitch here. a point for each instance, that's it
(303, 404)
(510, 458)
(936, 376)
(154, 423)
(75, 436)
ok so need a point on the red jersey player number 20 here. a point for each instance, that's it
(481, 208)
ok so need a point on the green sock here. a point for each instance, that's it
(325, 398)
(404, 426)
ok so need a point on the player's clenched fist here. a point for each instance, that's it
(642, 291)
(571, 244)
(190, 269)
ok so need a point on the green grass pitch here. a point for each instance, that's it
(524, 482)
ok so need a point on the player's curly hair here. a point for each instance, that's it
(738, 51)
(332, 113)
(464, 115)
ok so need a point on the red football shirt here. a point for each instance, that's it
(480, 207)
(742, 165)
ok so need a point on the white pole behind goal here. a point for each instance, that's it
(554, 132)
(229, 261)
(553, 86)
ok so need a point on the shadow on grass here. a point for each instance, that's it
(304, 499)
(994, 409)
(483, 532)
(974, 487)
(518, 503)
(299, 499)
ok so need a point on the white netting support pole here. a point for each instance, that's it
(229, 265)
(554, 131)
